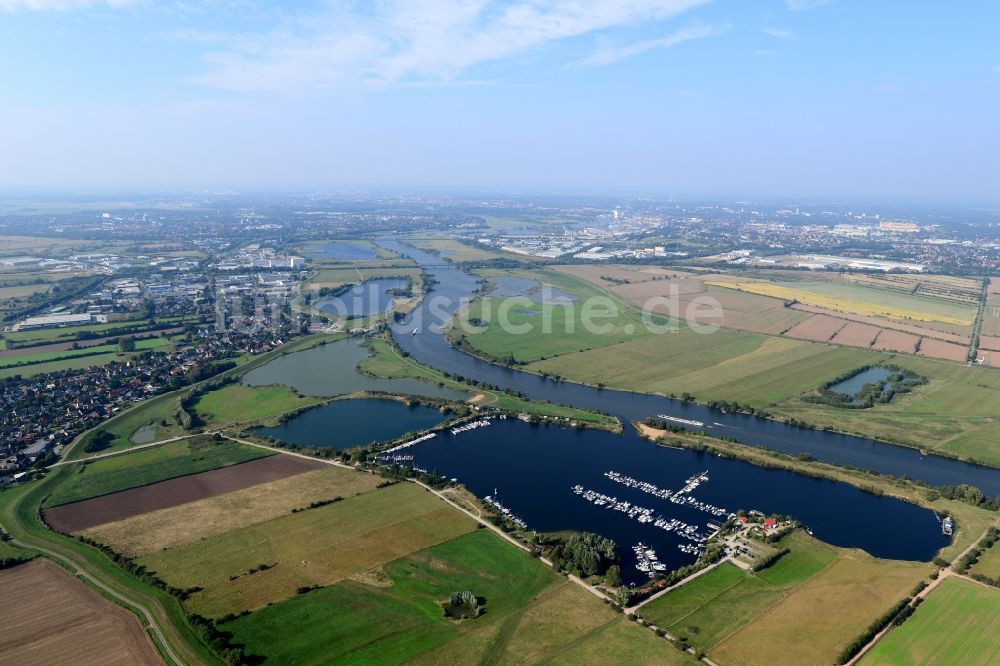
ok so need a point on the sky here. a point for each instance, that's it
(887, 100)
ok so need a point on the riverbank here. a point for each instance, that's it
(971, 521)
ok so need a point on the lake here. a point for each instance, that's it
(340, 250)
(534, 468)
(361, 300)
(509, 287)
(344, 424)
(331, 369)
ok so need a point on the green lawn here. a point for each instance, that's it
(725, 365)
(540, 331)
(238, 402)
(146, 466)
(958, 623)
(715, 604)
(531, 616)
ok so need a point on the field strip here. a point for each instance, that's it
(763, 611)
(163, 648)
(942, 575)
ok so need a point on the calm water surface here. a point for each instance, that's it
(371, 297)
(331, 369)
(344, 424)
(341, 251)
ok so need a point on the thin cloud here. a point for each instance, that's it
(415, 40)
(779, 33)
(803, 5)
(610, 54)
(13, 6)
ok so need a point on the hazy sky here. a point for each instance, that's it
(874, 98)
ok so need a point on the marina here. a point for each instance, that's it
(472, 425)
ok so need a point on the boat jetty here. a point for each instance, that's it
(472, 425)
(494, 501)
(681, 496)
(641, 514)
(387, 454)
(647, 561)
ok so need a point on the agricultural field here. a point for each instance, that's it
(955, 413)
(71, 333)
(25, 363)
(725, 365)
(393, 614)
(957, 623)
(172, 492)
(51, 617)
(318, 546)
(842, 296)
(15, 246)
(239, 402)
(146, 466)
(803, 609)
(540, 330)
(194, 520)
(73, 363)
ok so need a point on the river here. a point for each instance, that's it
(454, 287)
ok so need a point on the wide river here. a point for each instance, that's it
(533, 469)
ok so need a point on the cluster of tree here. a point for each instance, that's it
(8, 562)
(221, 642)
(585, 554)
(318, 503)
(98, 440)
(873, 629)
(463, 605)
(614, 280)
(970, 495)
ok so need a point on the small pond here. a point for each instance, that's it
(853, 385)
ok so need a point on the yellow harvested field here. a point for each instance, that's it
(49, 617)
(836, 303)
(147, 533)
(822, 616)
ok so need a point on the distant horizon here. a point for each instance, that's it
(811, 99)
